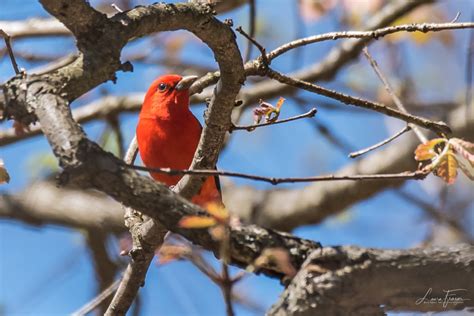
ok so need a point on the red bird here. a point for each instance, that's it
(168, 133)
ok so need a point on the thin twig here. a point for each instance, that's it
(132, 151)
(252, 19)
(458, 14)
(417, 175)
(469, 72)
(380, 144)
(7, 40)
(226, 287)
(96, 301)
(116, 7)
(249, 128)
(263, 51)
(223, 280)
(392, 94)
(424, 27)
(438, 127)
(115, 126)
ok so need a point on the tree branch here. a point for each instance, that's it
(249, 128)
(324, 70)
(416, 175)
(43, 203)
(358, 153)
(68, 144)
(34, 27)
(392, 94)
(375, 34)
(287, 208)
(372, 281)
(437, 127)
(7, 39)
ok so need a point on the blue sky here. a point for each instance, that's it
(48, 271)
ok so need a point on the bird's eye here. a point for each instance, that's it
(162, 87)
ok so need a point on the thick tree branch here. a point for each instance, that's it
(43, 203)
(222, 42)
(87, 164)
(96, 110)
(142, 252)
(358, 281)
(34, 27)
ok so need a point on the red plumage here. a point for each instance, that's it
(168, 133)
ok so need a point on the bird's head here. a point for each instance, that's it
(167, 94)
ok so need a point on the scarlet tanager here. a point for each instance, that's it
(168, 133)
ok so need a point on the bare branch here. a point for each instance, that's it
(142, 252)
(45, 204)
(437, 127)
(94, 303)
(287, 208)
(252, 40)
(249, 128)
(226, 288)
(416, 175)
(392, 94)
(325, 69)
(353, 275)
(7, 39)
(252, 22)
(470, 72)
(375, 34)
(100, 109)
(34, 27)
(380, 144)
(41, 27)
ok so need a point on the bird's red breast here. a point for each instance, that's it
(168, 134)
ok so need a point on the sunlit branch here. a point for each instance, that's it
(380, 144)
(249, 128)
(416, 175)
(437, 127)
(252, 22)
(8, 44)
(375, 34)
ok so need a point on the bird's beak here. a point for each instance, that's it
(185, 82)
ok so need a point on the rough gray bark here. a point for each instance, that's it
(358, 281)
